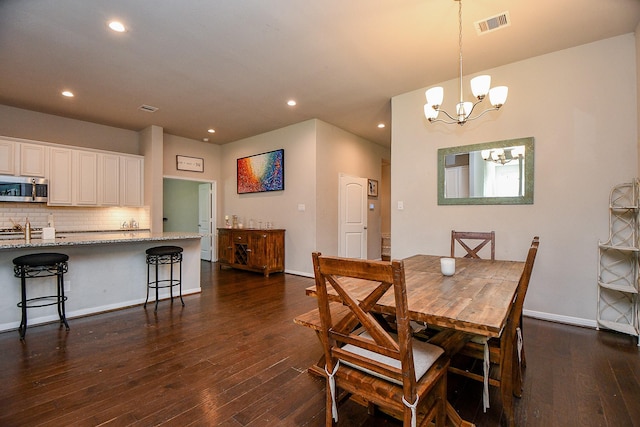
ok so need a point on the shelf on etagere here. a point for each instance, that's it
(623, 208)
(618, 248)
(619, 287)
(620, 327)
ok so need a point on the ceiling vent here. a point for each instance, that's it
(493, 23)
(148, 108)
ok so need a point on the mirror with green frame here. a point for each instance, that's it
(491, 173)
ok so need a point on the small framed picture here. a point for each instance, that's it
(193, 164)
(373, 188)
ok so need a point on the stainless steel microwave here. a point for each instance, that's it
(23, 189)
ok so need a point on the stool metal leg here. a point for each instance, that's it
(23, 323)
(148, 268)
(181, 280)
(157, 285)
(171, 279)
(61, 307)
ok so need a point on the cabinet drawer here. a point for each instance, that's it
(240, 237)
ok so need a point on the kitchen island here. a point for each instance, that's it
(107, 271)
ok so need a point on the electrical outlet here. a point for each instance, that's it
(67, 286)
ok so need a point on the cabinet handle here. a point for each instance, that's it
(248, 250)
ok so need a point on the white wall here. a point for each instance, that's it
(279, 207)
(580, 106)
(176, 145)
(20, 123)
(340, 152)
(315, 154)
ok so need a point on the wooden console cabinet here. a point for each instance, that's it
(256, 250)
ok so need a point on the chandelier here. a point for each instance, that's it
(480, 87)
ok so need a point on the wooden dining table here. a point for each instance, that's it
(475, 299)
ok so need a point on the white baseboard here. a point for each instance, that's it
(576, 321)
(33, 321)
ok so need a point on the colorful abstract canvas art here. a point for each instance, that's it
(261, 172)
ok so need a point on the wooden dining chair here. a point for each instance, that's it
(391, 371)
(478, 238)
(503, 353)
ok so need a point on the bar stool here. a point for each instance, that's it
(41, 265)
(163, 255)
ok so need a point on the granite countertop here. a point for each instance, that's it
(95, 238)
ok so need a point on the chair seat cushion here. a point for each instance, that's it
(424, 356)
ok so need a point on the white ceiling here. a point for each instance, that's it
(233, 64)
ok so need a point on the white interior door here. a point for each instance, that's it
(352, 225)
(205, 220)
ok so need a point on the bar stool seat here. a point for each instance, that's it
(41, 265)
(164, 255)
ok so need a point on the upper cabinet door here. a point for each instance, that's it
(7, 157)
(131, 181)
(33, 160)
(60, 177)
(85, 178)
(109, 179)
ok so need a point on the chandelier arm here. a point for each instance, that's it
(446, 114)
(449, 122)
(483, 113)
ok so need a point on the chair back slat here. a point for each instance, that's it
(479, 238)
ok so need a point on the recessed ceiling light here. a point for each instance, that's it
(117, 26)
(67, 93)
(211, 131)
(381, 125)
(291, 103)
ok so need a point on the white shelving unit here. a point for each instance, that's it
(618, 263)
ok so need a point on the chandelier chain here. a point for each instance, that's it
(460, 45)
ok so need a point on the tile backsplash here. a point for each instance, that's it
(72, 218)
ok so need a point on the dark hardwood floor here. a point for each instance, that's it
(233, 357)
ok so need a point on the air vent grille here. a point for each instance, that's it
(148, 108)
(493, 23)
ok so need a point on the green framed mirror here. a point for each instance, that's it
(491, 173)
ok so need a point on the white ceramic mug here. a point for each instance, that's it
(448, 266)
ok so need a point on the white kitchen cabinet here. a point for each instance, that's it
(7, 157)
(131, 181)
(85, 178)
(60, 177)
(108, 179)
(77, 177)
(33, 160)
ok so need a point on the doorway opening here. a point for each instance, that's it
(190, 206)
